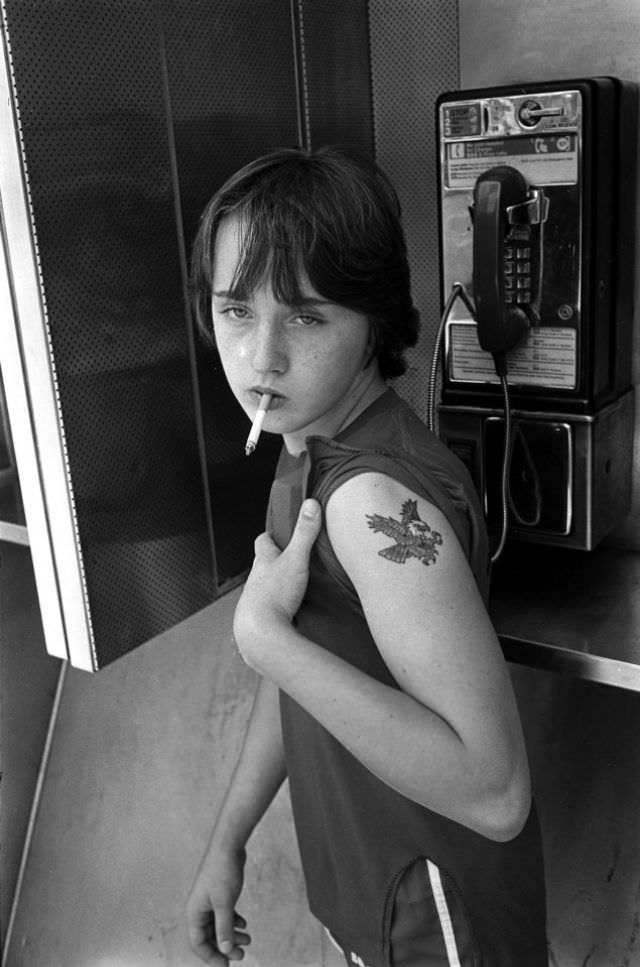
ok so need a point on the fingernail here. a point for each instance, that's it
(310, 508)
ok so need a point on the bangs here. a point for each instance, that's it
(275, 248)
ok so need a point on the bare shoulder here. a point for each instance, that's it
(415, 585)
(375, 515)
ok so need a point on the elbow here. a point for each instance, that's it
(503, 813)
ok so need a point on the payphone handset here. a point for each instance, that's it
(500, 196)
(536, 205)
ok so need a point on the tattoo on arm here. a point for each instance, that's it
(413, 537)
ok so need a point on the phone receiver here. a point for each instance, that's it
(500, 326)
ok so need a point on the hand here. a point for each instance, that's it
(277, 583)
(215, 929)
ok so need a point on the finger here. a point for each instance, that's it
(242, 939)
(307, 528)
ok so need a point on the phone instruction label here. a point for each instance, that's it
(549, 159)
(547, 358)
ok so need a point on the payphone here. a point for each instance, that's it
(537, 203)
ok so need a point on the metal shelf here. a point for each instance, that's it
(570, 611)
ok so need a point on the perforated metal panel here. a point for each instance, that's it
(128, 116)
(232, 89)
(414, 58)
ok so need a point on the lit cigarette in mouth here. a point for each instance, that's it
(256, 426)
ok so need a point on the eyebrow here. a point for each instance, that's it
(306, 301)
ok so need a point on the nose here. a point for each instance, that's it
(268, 350)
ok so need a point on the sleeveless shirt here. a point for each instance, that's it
(357, 835)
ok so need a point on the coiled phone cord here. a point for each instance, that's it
(458, 291)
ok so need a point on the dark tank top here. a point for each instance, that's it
(356, 835)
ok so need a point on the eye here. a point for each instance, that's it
(306, 321)
(238, 313)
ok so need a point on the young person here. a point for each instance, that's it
(383, 694)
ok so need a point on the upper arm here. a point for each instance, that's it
(422, 605)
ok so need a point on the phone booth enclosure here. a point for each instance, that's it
(123, 121)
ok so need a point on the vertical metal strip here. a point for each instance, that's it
(184, 277)
(57, 485)
(35, 808)
(302, 79)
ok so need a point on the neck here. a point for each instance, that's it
(355, 403)
(374, 388)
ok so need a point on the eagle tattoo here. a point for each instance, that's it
(413, 537)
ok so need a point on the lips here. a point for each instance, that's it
(277, 399)
(261, 390)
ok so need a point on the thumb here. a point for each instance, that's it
(307, 528)
(224, 931)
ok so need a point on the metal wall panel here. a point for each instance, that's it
(414, 58)
(141, 506)
(232, 91)
(334, 68)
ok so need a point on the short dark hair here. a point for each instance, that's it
(331, 214)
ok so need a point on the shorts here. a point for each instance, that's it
(429, 927)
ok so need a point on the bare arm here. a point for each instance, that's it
(450, 738)
(215, 928)
(258, 775)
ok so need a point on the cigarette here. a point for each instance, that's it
(256, 426)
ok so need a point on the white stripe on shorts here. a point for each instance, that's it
(443, 914)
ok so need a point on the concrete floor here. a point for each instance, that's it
(140, 759)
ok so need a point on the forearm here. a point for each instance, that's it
(401, 741)
(258, 775)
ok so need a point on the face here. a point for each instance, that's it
(311, 357)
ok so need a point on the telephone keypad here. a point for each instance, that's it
(517, 266)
